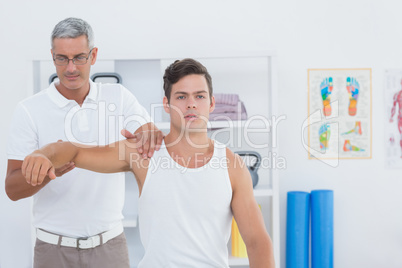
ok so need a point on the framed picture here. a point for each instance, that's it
(393, 118)
(340, 114)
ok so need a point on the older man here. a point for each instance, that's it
(79, 216)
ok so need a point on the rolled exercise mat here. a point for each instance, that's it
(322, 229)
(297, 230)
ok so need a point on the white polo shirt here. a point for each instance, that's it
(81, 203)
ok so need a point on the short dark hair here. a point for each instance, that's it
(181, 68)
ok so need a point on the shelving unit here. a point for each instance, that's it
(130, 223)
(234, 261)
(251, 75)
(219, 124)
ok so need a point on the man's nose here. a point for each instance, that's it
(191, 104)
(71, 66)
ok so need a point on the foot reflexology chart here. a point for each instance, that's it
(393, 118)
(341, 100)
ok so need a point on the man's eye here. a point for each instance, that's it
(180, 97)
(81, 58)
(61, 59)
(200, 97)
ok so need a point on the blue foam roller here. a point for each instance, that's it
(322, 229)
(297, 230)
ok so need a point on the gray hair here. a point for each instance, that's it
(72, 28)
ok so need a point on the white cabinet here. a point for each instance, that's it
(250, 75)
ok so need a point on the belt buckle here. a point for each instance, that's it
(81, 239)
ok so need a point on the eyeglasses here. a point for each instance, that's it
(79, 60)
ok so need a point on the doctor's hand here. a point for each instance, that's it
(36, 167)
(147, 141)
(64, 169)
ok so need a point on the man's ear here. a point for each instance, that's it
(166, 105)
(51, 52)
(94, 55)
(212, 105)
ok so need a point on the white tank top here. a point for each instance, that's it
(185, 214)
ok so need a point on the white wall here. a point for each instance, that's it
(342, 34)
(306, 34)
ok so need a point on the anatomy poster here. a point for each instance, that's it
(393, 118)
(339, 109)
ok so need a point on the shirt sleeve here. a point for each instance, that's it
(23, 138)
(135, 115)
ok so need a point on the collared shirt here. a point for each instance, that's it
(81, 203)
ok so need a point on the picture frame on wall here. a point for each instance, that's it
(340, 113)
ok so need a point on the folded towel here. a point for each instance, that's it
(224, 108)
(229, 99)
(228, 112)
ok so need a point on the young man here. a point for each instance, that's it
(189, 190)
(82, 203)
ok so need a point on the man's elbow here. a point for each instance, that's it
(11, 194)
(13, 198)
(10, 191)
(262, 245)
(262, 249)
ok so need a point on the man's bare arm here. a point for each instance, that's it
(16, 185)
(248, 215)
(107, 159)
